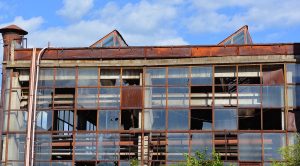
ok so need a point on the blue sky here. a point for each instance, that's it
(67, 23)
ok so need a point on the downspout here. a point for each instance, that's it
(34, 101)
(30, 103)
(34, 72)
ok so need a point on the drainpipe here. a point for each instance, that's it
(34, 77)
(30, 103)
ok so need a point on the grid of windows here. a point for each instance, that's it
(89, 116)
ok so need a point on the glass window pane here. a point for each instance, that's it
(201, 142)
(178, 97)
(293, 73)
(42, 146)
(201, 75)
(178, 144)
(249, 96)
(108, 146)
(154, 119)
(17, 121)
(109, 119)
(272, 143)
(250, 146)
(87, 98)
(44, 98)
(273, 96)
(16, 147)
(155, 76)
(225, 95)
(4, 144)
(46, 77)
(65, 77)
(155, 97)
(175, 116)
(88, 77)
(44, 120)
(178, 76)
(109, 97)
(41, 163)
(85, 147)
(293, 96)
(225, 119)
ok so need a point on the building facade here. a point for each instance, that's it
(109, 104)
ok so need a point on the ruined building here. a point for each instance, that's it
(110, 103)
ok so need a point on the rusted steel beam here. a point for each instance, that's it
(161, 52)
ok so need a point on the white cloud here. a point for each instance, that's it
(75, 9)
(26, 24)
(219, 16)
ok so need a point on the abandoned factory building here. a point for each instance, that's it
(109, 103)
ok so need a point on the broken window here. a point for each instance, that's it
(110, 77)
(87, 120)
(273, 119)
(131, 119)
(44, 120)
(273, 74)
(249, 75)
(154, 119)
(155, 76)
(226, 145)
(130, 148)
(225, 119)
(109, 119)
(201, 96)
(63, 120)
(157, 144)
(178, 76)
(225, 95)
(132, 77)
(64, 98)
(201, 119)
(250, 147)
(175, 116)
(225, 75)
(87, 76)
(249, 119)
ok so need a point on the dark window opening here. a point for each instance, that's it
(158, 146)
(201, 89)
(226, 145)
(201, 119)
(110, 77)
(225, 89)
(225, 75)
(249, 119)
(63, 120)
(130, 119)
(129, 146)
(86, 163)
(249, 80)
(132, 77)
(62, 148)
(272, 119)
(64, 97)
(87, 120)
